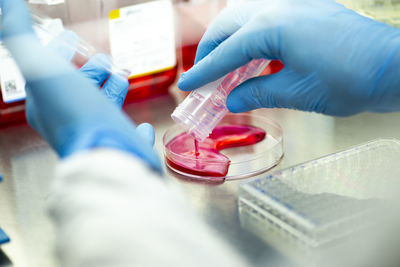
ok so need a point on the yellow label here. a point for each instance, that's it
(150, 72)
(114, 14)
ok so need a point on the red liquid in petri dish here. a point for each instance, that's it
(204, 159)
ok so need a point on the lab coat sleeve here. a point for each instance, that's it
(109, 209)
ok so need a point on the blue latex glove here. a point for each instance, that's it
(336, 61)
(115, 88)
(65, 107)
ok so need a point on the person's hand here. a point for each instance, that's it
(97, 68)
(63, 105)
(336, 61)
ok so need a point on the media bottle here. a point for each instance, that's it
(138, 34)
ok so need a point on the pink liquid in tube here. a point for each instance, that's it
(204, 159)
(205, 107)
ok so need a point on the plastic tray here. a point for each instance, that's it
(313, 207)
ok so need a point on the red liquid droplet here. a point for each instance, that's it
(196, 148)
(204, 159)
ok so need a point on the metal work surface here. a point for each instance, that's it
(27, 165)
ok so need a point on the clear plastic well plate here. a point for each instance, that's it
(316, 205)
(245, 161)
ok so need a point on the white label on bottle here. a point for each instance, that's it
(142, 38)
(11, 80)
(46, 2)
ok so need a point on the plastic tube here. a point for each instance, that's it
(205, 107)
(83, 51)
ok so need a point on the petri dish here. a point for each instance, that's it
(245, 161)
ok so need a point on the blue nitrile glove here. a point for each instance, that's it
(97, 68)
(69, 110)
(114, 87)
(336, 61)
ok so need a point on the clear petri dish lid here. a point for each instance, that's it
(241, 162)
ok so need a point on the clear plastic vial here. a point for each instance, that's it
(205, 107)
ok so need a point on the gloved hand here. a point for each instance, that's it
(65, 107)
(336, 61)
(97, 68)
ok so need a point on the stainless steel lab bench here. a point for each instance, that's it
(27, 165)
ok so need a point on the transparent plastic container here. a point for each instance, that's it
(91, 20)
(205, 107)
(83, 50)
(194, 18)
(245, 161)
(14, 111)
(313, 211)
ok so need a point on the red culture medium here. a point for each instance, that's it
(140, 88)
(205, 159)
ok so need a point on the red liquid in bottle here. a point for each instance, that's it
(140, 88)
(11, 113)
(151, 85)
(145, 86)
(188, 56)
(205, 159)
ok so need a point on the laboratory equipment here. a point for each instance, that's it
(203, 158)
(244, 144)
(12, 97)
(142, 38)
(138, 34)
(205, 107)
(313, 210)
(12, 83)
(58, 108)
(124, 29)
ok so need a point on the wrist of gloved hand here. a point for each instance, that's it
(97, 68)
